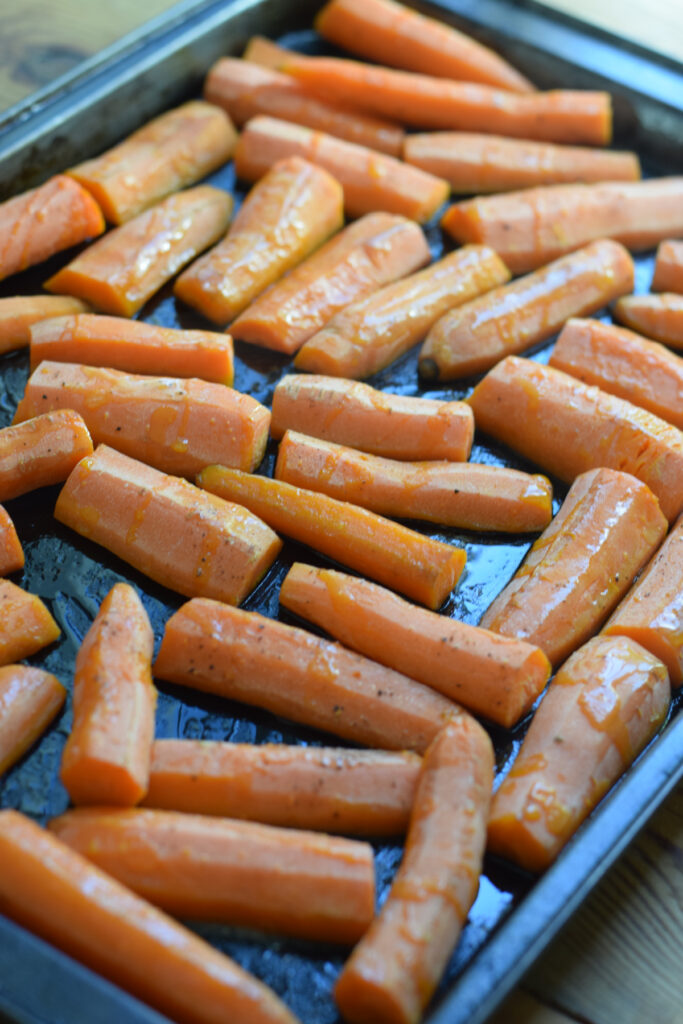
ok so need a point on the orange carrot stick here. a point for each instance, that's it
(40, 452)
(120, 272)
(373, 251)
(370, 180)
(297, 204)
(238, 872)
(658, 316)
(576, 573)
(668, 275)
(349, 412)
(474, 337)
(329, 789)
(11, 551)
(167, 528)
(494, 676)
(174, 150)
(26, 625)
(624, 364)
(465, 495)
(29, 700)
(604, 705)
(567, 427)
(178, 425)
(368, 335)
(133, 346)
(424, 569)
(244, 656)
(58, 894)
(37, 224)
(19, 313)
(265, 52)
(393, 972)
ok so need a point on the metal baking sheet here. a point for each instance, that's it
(515, 915)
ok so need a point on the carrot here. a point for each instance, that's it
(167, 528)
(424, 569)
(567, 427)
(11, 551)
(329, 789)
(41, 222)
(624, 364)
(19, 313)
(58, 894)
(297, 204)
(608, 527)
(373, 251)
(368, 335)
(237, 872)
(604, 705)
(349, 412)
(265, 52)
(393, 972)
(465, 495)
(514, 317)
(120, 272)
(532, 227)
(29, 700)
(26, 625)
(668, 275)
(168, 153)
(389, 33)
(40, 452)
(245, 90)
(244, 656)
(658, 316)
(133, 346)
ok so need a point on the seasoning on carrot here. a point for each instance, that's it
(11, 551)
(175, 533)
(512, 318)
(604, 705)
(19, 313)
(41, 451)
(26, 624)
(244, 656)
(668, 275)
(658, 316)
(29, 700)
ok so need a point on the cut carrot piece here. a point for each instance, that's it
(133, 346)
(532, 227)
(668, 275)
(19, 313)
(29, 700)
(460, 494)
(174, 150)
(603, 706)
(11, 551)
(568, 427)
(329, 789)
(658, 316)
(371, 180)
(624, 364)
(244, 656)
(25, 624)
(393, 972)
(576, 573)
(120, 272)
(424, 569)
(58, 894)
(375, 250)
(37, 224)
(349, 412)
(167, 528)
(371, 333)
(512, 318)
(40, 452)
(265, 52)
(489, 674)
(238, 872)
(297, 204)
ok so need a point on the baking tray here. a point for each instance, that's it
(515, 915)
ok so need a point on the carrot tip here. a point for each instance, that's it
(428, 369)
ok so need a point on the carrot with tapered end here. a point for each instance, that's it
(623, 364)
(373, 251)
(466, 495)
(11, 551)
(568, 427)
(244, 656)
(19, 313)
(167, 528)
(121, 271)
(178, 425)
(609, 526)
(174, 150)
(330, 789)
(658, 316)
(474, 337)
(29, 700)
(668, 275)
(42, 451)
(265, 52)
(26, 624)
(424, 569)
(238, 872)
(604, 705)
(393, 972)
(371, 333)
(53, 891)
(289, 213)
